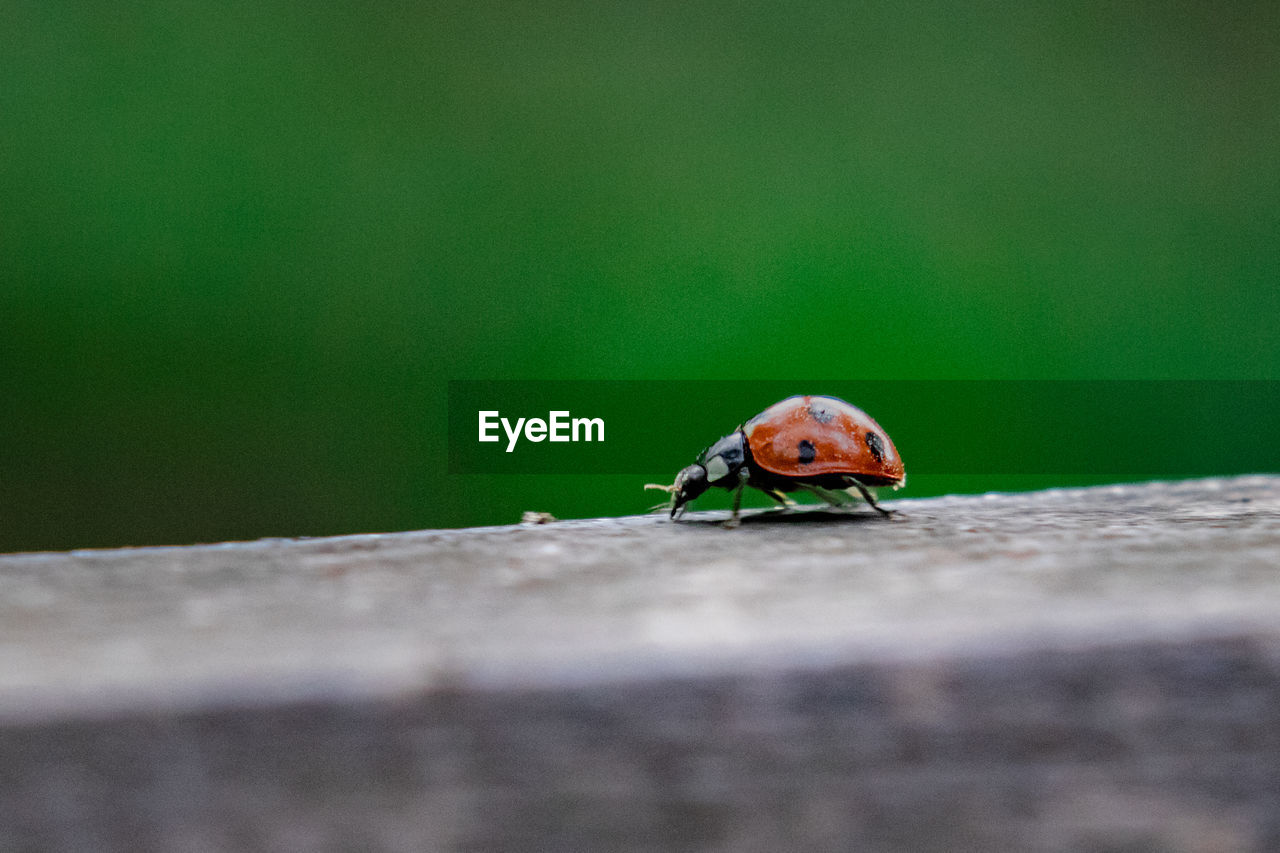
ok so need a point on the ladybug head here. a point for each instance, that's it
(690, 483)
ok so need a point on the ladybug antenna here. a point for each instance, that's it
(671, 490)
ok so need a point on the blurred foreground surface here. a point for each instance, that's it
(1065, 670)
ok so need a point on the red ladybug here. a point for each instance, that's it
(821, 444)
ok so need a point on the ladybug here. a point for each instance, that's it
(821, 444)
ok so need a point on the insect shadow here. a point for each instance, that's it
(766, 517)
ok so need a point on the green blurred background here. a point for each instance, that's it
(244, 245)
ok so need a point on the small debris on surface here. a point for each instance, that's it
(531, 517)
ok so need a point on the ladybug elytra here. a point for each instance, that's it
(821, 444)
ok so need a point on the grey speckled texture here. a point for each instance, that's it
(1088, 670)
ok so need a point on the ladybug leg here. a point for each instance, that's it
(778, 496)
(833, 497)
(867, 496)
(737, 498)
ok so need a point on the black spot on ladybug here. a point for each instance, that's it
(820, 413)
(807, 452)
(876, 446)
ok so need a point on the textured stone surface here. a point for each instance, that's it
(1066, 670)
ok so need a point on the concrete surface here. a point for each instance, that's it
(1075, 670)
